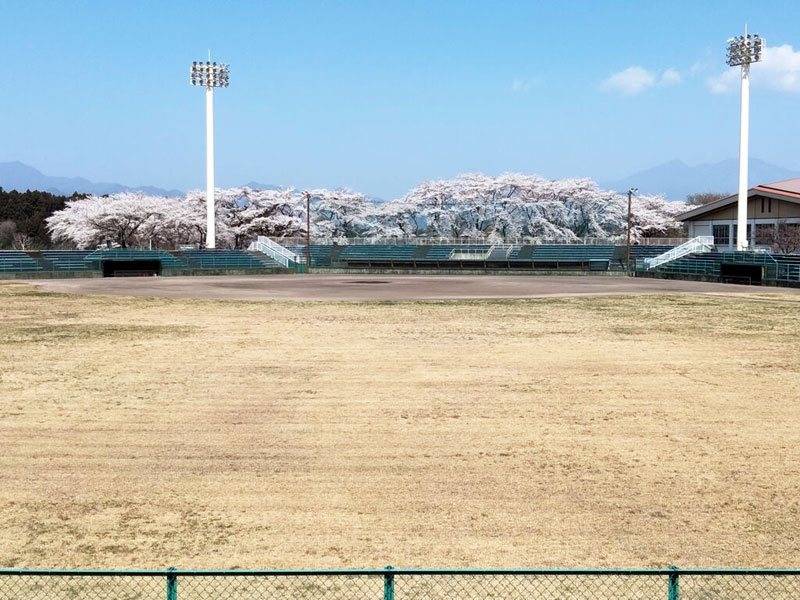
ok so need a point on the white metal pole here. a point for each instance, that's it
(744, 129)
(211, 231)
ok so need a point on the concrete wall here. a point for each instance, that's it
(50, 274)
(522, 272)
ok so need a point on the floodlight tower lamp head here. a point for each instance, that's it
(209, 75)
(745, 49)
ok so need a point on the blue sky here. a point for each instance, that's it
(379, 96)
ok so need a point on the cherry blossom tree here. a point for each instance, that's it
(247, 213)
(339, 214)
(401, 218)
(653, 216)
(274, 213)
(514, 205)
(185, 223)
(120, 218)
(509, 206)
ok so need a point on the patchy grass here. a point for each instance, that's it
(602, 431)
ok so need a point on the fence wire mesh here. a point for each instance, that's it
(90, 587)
(401, 585)
(294, 587)
(524, 586)
(742, 587)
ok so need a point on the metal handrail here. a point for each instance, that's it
(444, 241)
(470, 254)
(699, 244)
(279, 253)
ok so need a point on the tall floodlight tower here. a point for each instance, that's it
(743, 50)
(210, 75)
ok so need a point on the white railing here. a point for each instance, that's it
(703, 243)
(440, 241)
(500, 251)
(276, 252)
(495, 252)
(470, 253)
(676, 241)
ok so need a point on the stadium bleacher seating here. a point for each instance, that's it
(553, 257)
(559, 256)
(226, 259)
(692, 265)
(168, 261)
(521, 252)
(376, 252)
(17, 261)
(320, 253)
(639, 251)
(86, 261)
(69, 260)
(723, 266)
(461, 256)
(542, 257)
(443, 252)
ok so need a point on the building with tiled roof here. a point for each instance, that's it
(768, 205)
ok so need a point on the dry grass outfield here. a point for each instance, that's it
(560, 432)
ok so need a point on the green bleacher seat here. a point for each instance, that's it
(69, 260)
(17, 261)
(168, 261)
(222, 258)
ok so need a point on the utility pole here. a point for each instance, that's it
(631, 192)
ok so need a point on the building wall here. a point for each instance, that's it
(780, 209)
(697, 228)
(760, 211)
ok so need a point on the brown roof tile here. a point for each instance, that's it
(787, 185)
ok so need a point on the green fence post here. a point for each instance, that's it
(388, 584)
(172, 584)
(673, 583)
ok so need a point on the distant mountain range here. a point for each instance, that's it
(254, 185)
(19, 176)
(676, 180)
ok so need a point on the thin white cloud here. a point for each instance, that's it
(520, 86)
(670, 77)
(726, 81)
(630, 81)
(635, 80)
(779, 70)
(697, 67)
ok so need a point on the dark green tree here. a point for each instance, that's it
(28, 210)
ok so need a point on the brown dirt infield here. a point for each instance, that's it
(388, 287)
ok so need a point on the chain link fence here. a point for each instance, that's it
(405, 584)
